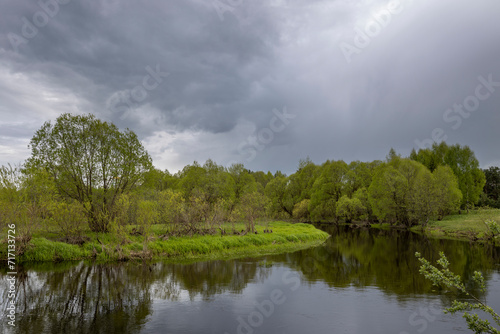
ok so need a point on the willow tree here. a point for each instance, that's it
(90, 161)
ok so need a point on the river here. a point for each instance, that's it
(359, 281)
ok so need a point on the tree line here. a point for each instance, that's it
(84, 173)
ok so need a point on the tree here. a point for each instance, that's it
(350, 208)
(25, 199)
(387, 195)
(301, 182)
(360, 175)
(464, 164)
(492, 187)
(251, 207)
(392, 155)
(327, 189)
(90, 161)
(422, 199)
(244, 182)
(402, 191)
(448, 195)
(301, 209)
(277, 193)
(443, 276)
(471, 179)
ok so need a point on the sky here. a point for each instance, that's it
(263, 83)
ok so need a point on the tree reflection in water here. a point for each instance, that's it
(117, 297)
(120, 297)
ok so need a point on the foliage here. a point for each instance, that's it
(405, 191)
(327, 190)
(301, 209)
(350, 208)
(147, 215)
(252, 206)
(301, 182)
(493, 229)
(443, 276)
(24, 201)
(388, 195)
(82, 161)
(491, 195)
(91, 161)
(464, 164)
(447, 193)
(171, 209)
(70, 219)
(103, 246)
(279, 197)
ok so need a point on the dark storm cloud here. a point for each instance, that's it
(211, 64)
(200, 79)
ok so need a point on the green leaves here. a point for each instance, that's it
(445, 277)
(90, 161)
(493, 229)
(405, 191)
(464, 164)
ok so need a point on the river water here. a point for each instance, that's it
(359, 281)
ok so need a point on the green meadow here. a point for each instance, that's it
(285, 237)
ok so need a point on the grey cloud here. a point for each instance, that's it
(261, 56)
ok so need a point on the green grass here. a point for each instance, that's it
(285, 237)
(462, 226)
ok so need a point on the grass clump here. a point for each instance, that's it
(112, 247)
(471, 225)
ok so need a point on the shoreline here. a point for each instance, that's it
(286, 237)
(465, 226)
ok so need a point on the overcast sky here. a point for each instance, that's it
(264, 83)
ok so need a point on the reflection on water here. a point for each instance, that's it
(353, 283)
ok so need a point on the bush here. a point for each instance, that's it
(70, 218)
(350, 208)
(301, 210)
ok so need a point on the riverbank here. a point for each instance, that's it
(465, 226)
(285, 237)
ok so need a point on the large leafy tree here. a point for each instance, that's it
(387, 194)
(302, 180)
(244, 182)
(277, 192)
(447, 192)
(327, 189)
(471, 179)
(210, 182)
(405, 191)
(402, 191)
(90, 161)
(492, 186)
(462, 161)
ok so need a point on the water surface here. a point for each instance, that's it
(360, 281)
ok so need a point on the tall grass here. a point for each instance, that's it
(464, 226)
(108, 247)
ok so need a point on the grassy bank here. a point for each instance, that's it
(111, 247)
(465, 226)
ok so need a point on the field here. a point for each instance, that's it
(45, 246)
(463, 226)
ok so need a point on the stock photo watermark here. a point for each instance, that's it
(131, 98)
(231, 6)
(260, 139)
(265, 309)
(30, 27)
(455, 115)
(421, 318)
(11, 276)
(377, 22)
